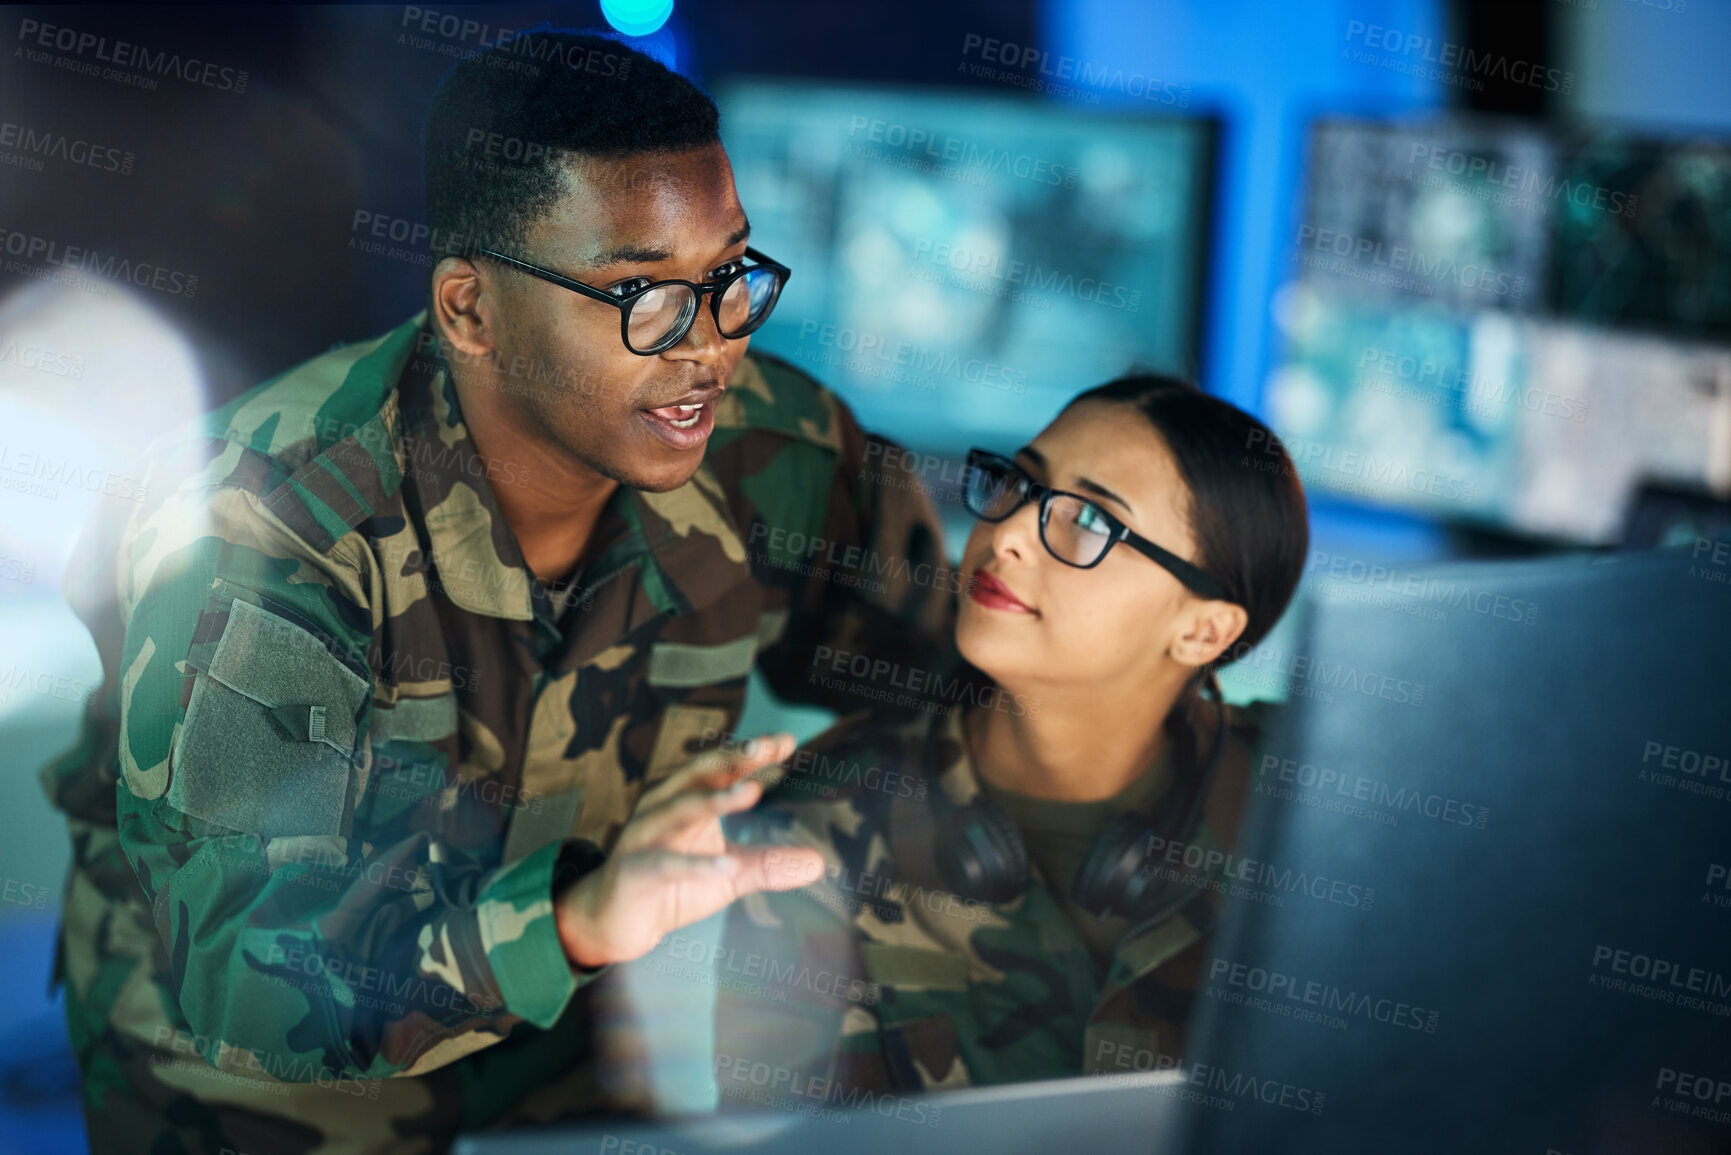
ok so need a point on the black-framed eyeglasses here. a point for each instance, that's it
(656, 317)
(1073, 529)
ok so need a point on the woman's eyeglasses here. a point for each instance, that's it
(1073, 529)
(656, 317)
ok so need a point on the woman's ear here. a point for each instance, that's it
(1206, 630)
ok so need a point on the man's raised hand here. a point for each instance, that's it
(672, 866)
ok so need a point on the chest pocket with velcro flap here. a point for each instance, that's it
(268, 743)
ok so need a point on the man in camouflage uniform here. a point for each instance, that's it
(406, 658)
(879, 980)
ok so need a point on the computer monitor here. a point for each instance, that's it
(1452, 212)
(1663, 264)
(1530, 424)
(1483, 900)
(964, 263)
(1502, 324)
(1668, 515)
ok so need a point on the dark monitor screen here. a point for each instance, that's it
(1664, 263)
(1485, 902)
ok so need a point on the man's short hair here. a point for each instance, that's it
(505, 120)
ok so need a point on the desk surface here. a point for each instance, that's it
(1124, 1114)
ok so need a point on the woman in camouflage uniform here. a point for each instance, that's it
(1022, 882)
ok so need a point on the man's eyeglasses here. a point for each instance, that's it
(1073, 529)
(656, 317)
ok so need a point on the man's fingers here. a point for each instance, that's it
(771, 773)
(658, 823)
(750, 868)
(672, 866)
(660, 890)
(756, 761)
(719, 769)
(774, 868)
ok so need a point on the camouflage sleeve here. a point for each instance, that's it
(875, 582)
(245, 699)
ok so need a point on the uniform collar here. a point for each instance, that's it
(960, 781)
(956, 775)
(1148, 946)
(683, 544)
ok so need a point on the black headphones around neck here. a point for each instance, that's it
(976, 851)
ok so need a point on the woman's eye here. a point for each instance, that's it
(626, 288)
(727, 270)
(1092, 520)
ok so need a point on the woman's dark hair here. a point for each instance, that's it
(1246, 507)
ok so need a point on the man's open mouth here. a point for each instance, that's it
(687, 423)
(680, 416)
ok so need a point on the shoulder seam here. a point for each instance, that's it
(827, 396)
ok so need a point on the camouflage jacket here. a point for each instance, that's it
(870, 982)
(345, 738)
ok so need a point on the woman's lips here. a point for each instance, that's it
(994, 594)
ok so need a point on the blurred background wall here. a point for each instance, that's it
(1472, 260)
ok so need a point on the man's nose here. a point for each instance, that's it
(703, 342)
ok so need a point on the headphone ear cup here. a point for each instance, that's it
(980, 855)
(1113, 877)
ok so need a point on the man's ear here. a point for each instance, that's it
(461, 313)
(1206, 630)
